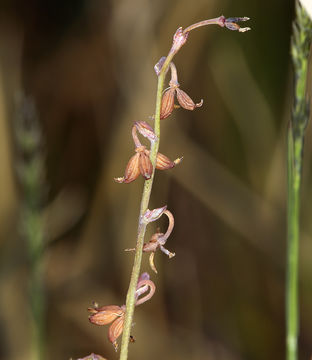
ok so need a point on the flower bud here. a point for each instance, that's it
(115, 330)
(230, 24)
(185, 101)
(167, 103)
(105, 314)
(179, 39)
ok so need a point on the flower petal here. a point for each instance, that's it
(105, 314)
(132, 170)
(115, 330)
(145, 166)
(185, 101)
(167, 103)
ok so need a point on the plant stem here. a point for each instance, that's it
(300, 47)
(216, 21)
(130, 302)
(292, 252)
(179, 40)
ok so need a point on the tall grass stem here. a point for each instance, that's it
(300, 49)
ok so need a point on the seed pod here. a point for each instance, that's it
(145, 166)
(167, 103)
(185, 101)
(132, 170)
(115, 330)
(105, 314)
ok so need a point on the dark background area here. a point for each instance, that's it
(88, 66)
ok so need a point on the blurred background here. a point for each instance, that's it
(74, 76)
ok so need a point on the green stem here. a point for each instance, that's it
(130, 302)
(293, 248)
(300, 48)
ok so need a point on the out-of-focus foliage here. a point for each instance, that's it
(88, 66)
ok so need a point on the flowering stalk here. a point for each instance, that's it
(130, 302)
(300, 48)
(179, 39)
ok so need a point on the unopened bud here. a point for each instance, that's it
(179, 39)
(230, 23)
